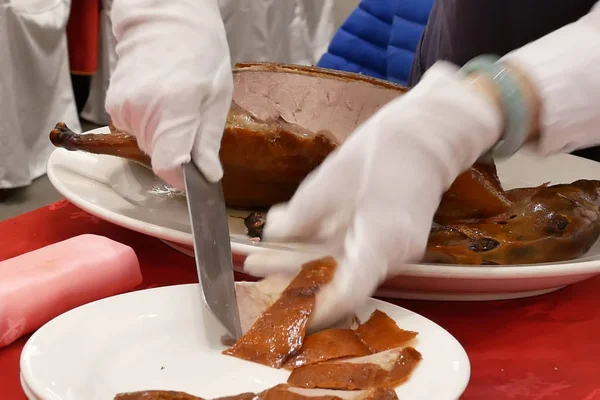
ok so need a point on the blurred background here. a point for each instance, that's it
(55, 31)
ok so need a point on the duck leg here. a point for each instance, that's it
(117, 144)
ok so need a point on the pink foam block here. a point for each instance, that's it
(40, 285)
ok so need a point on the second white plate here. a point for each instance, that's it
(167, 339)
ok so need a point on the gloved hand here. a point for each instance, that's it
(371, 203)
(172, 85)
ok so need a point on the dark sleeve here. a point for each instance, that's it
(458, 30)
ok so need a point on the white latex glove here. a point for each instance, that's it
(172, 85)
(372, 201)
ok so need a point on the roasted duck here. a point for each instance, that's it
(542, 224)
(364, 361)
(284, 120)
(253, 178)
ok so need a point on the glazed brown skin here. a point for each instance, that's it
(265, 160)
(380, 333)
(475, 194)
(330, 344)
(264, 163)
(117, 144)
(545, 224)
(351, 376)
(279, 392)
(156, 395)
(279, 333)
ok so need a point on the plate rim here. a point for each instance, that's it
(36, 389)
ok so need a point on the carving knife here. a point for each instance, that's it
(212, 247)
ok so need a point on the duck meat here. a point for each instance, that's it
(279, 332)
(378, 333)
(544, 224)
(275, 313)
(279, 392)
(386, 369)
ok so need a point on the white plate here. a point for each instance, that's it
(129, 195)
(165, 338)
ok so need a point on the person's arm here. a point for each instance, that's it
(562, 71)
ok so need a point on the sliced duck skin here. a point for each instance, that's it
(285, 392)
(330, 344)
(380, 333)
(386, 369)
(156, 395)
(279, 332)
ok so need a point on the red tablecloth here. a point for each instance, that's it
(545, 347)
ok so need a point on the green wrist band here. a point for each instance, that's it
(517, 114)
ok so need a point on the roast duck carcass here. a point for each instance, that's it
(541, 224)
(361, 361)
(285, 119)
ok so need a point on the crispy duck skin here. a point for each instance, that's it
(285, 392)
(279, 392)
(386, 369)
(378, 333)
(283, 121)
(120, 145)
(334, 364)
(544, 224)
(330, 344)
(156, 395)
(371, 355)
(474, 194)
(279, 332)
(264, 162)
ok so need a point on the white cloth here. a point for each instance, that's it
(565, 67)
(35, 86)
(290, 31)
(372, 201)
(172, 85)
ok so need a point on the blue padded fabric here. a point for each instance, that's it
(379, 39)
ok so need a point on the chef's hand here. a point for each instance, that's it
(172, 85)
(371, 203)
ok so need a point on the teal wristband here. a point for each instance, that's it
(517, 114)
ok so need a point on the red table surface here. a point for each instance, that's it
(546, 347)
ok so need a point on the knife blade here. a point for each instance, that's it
(212, 247)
